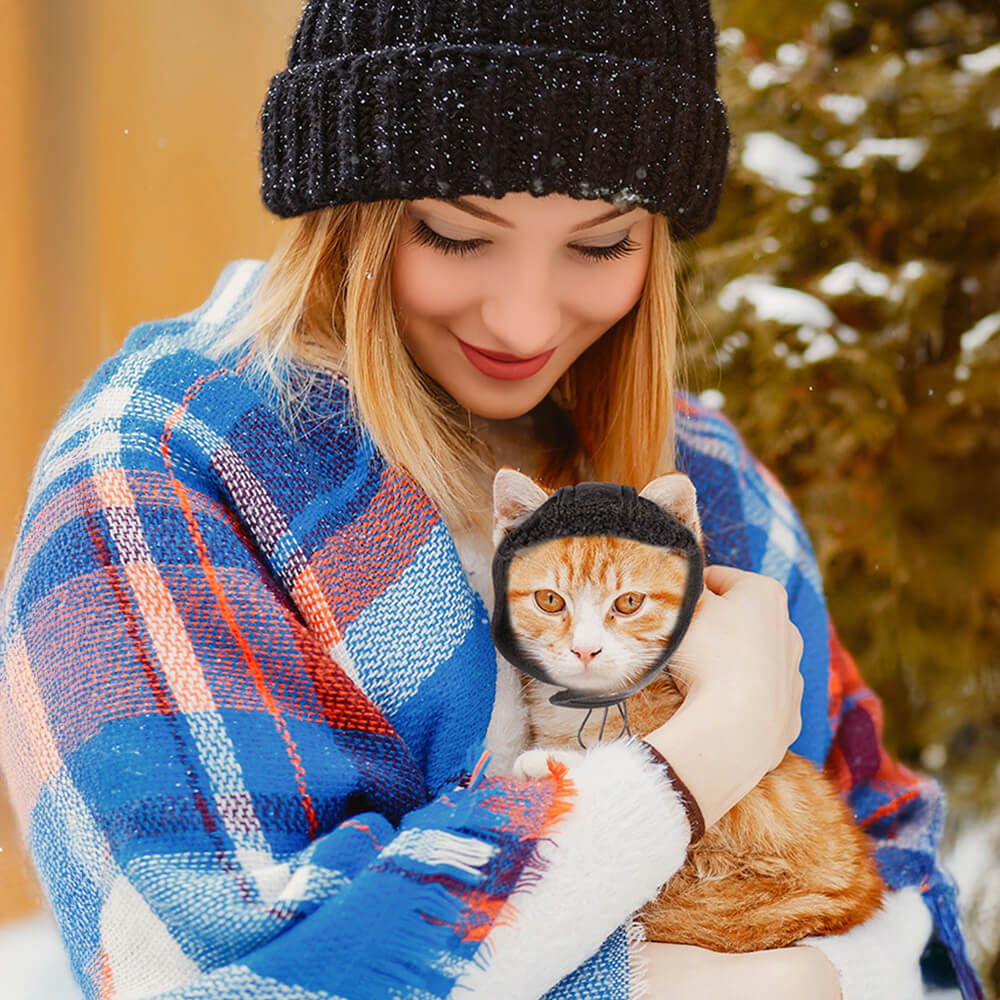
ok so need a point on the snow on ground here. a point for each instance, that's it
(838, 15)
(794, 55)
(817, 326)
(973, 339)
(766, 74)
(853, 276)
(732, 38)
(970, 341)
(846, 108)
(893, 66)
(973, 861)
(906, 152)
(790, 307)
(781, 163)
(770, 301)
(33, 962)
(821, 347)
(981, 63)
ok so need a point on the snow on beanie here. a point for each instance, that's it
(612, 100)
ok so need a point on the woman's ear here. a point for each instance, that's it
(515, 495)
(675, 493)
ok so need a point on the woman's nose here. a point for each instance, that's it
(524, 317)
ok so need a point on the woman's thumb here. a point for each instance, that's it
(720, 579)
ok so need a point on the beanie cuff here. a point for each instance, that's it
(445, 120)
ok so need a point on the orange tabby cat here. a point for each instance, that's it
(787, 861)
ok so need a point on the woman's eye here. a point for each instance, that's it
(620, 249)
(627, 604)
(549, 600)
(424, 234)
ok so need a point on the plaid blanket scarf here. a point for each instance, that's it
(243, 682)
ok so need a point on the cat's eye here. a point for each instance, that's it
(626, 604)
(549, 600)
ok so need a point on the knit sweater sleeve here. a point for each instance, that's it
(749, 522)
(236, 713)
(216, 809)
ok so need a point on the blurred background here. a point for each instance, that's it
(844, 311)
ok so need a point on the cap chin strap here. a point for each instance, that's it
(590, 509)
(625, 730)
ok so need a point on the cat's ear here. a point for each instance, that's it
(675, 493)
(514, 496)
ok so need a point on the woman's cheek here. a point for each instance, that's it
(422, 286)
(609, 299)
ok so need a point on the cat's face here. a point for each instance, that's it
(594, 611)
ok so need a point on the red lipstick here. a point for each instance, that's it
(504, 366)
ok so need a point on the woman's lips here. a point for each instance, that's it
(504, 366)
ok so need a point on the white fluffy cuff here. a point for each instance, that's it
(881, 957)
(625, 837)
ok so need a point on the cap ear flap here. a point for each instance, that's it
(515, 495)
(675, 493)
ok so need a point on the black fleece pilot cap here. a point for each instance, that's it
(584, 510)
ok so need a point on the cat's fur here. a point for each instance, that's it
(787, 861)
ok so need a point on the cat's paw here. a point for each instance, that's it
(533, 765)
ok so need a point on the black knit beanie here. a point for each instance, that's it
(610, 100)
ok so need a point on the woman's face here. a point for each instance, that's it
(496, 298)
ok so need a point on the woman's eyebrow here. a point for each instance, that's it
(482, 213)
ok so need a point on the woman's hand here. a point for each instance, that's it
(740, 664)
(684, 972)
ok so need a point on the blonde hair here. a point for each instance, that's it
(325, 302)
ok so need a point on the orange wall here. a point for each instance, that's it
(129, 177)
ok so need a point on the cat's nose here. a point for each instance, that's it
(585, 656)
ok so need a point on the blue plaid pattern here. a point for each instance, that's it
(243, 683)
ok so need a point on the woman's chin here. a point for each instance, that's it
(506, 401)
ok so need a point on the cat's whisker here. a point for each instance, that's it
(680, 671)
(679, 668)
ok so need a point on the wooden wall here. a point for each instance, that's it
(128, 179)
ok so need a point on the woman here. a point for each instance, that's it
(246, 677)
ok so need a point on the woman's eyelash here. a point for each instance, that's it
(424, 234)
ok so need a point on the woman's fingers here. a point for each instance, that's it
(739, 663)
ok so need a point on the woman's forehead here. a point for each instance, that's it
(522, 208)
